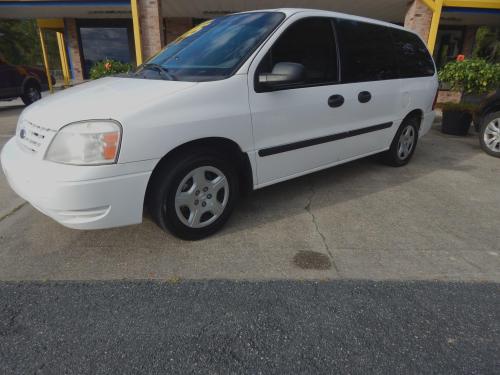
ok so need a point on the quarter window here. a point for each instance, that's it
(310, 42)
(413, 57)
(366, 50)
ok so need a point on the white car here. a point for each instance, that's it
(239, 102)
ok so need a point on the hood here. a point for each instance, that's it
(106, 98)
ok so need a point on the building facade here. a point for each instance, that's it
(133, 30)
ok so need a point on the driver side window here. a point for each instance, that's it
(310, 42)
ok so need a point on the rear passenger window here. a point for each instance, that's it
(413, 57)
(366, 50)
(309, 42)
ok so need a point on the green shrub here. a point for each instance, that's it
(472, 76)
(109, 67)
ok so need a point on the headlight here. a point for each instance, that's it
(86, 143)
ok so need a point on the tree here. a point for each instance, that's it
(487, 44)
(19, 43)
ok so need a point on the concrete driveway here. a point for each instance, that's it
(437, 218)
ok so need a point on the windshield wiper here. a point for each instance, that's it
(161, 70)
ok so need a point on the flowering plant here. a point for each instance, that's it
(472, 76)
(109, 67)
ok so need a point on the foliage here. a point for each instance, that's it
(472, 76)
(19, 42)
(487, 45)
(20, 45)
(109, 67)
(458, 107)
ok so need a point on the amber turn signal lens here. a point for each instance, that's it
(110, 148)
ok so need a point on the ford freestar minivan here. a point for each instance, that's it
(242, 101)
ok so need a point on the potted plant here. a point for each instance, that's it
(471, 77)
(457, 118)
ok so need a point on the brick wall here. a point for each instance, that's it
(418, 19)
(74, 48)
(151, 27)
(176, 26)
(445, 96)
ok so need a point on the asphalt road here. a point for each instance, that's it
(250, 327)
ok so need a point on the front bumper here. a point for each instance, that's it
(80, 197)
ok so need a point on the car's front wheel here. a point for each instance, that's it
(31, 94)
(489, 135)
(193, 195)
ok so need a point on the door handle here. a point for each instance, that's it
(335, 101)
(364, 96)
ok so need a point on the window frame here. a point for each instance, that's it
(259, 88)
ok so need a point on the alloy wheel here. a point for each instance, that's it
(492, 135)
(33, 94)
(406, 142)
(201, 197)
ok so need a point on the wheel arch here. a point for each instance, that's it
(491, 108)
(415, 113)
(31, 80)
(225, 146)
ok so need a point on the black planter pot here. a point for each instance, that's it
(456, 122)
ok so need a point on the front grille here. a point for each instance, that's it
(33, 136)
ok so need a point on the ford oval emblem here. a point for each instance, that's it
(22, 133)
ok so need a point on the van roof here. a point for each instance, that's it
(291, 11)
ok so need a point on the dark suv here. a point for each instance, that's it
(22, 81)
(487, 122)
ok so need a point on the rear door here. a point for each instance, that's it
(373, 99)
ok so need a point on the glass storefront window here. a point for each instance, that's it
(449, 45)
(104, 42)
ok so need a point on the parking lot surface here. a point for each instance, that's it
(436, 218)
(222, 327)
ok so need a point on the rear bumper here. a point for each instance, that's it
(92, 203)
(427, 122)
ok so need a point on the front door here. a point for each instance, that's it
(289, 122)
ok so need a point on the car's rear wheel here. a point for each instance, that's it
(489, 135)
(31, 93)
(404, 143)
(192, 196)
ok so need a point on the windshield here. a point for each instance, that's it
(214, 49)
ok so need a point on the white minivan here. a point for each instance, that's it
(239, 102)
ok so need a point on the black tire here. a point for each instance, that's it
(31, 93)
(392, 156)
(165, 183)
(494, 149)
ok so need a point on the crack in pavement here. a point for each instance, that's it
(12, 211)
(472, 264)
(315, 222)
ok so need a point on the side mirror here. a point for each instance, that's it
(283, 73)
